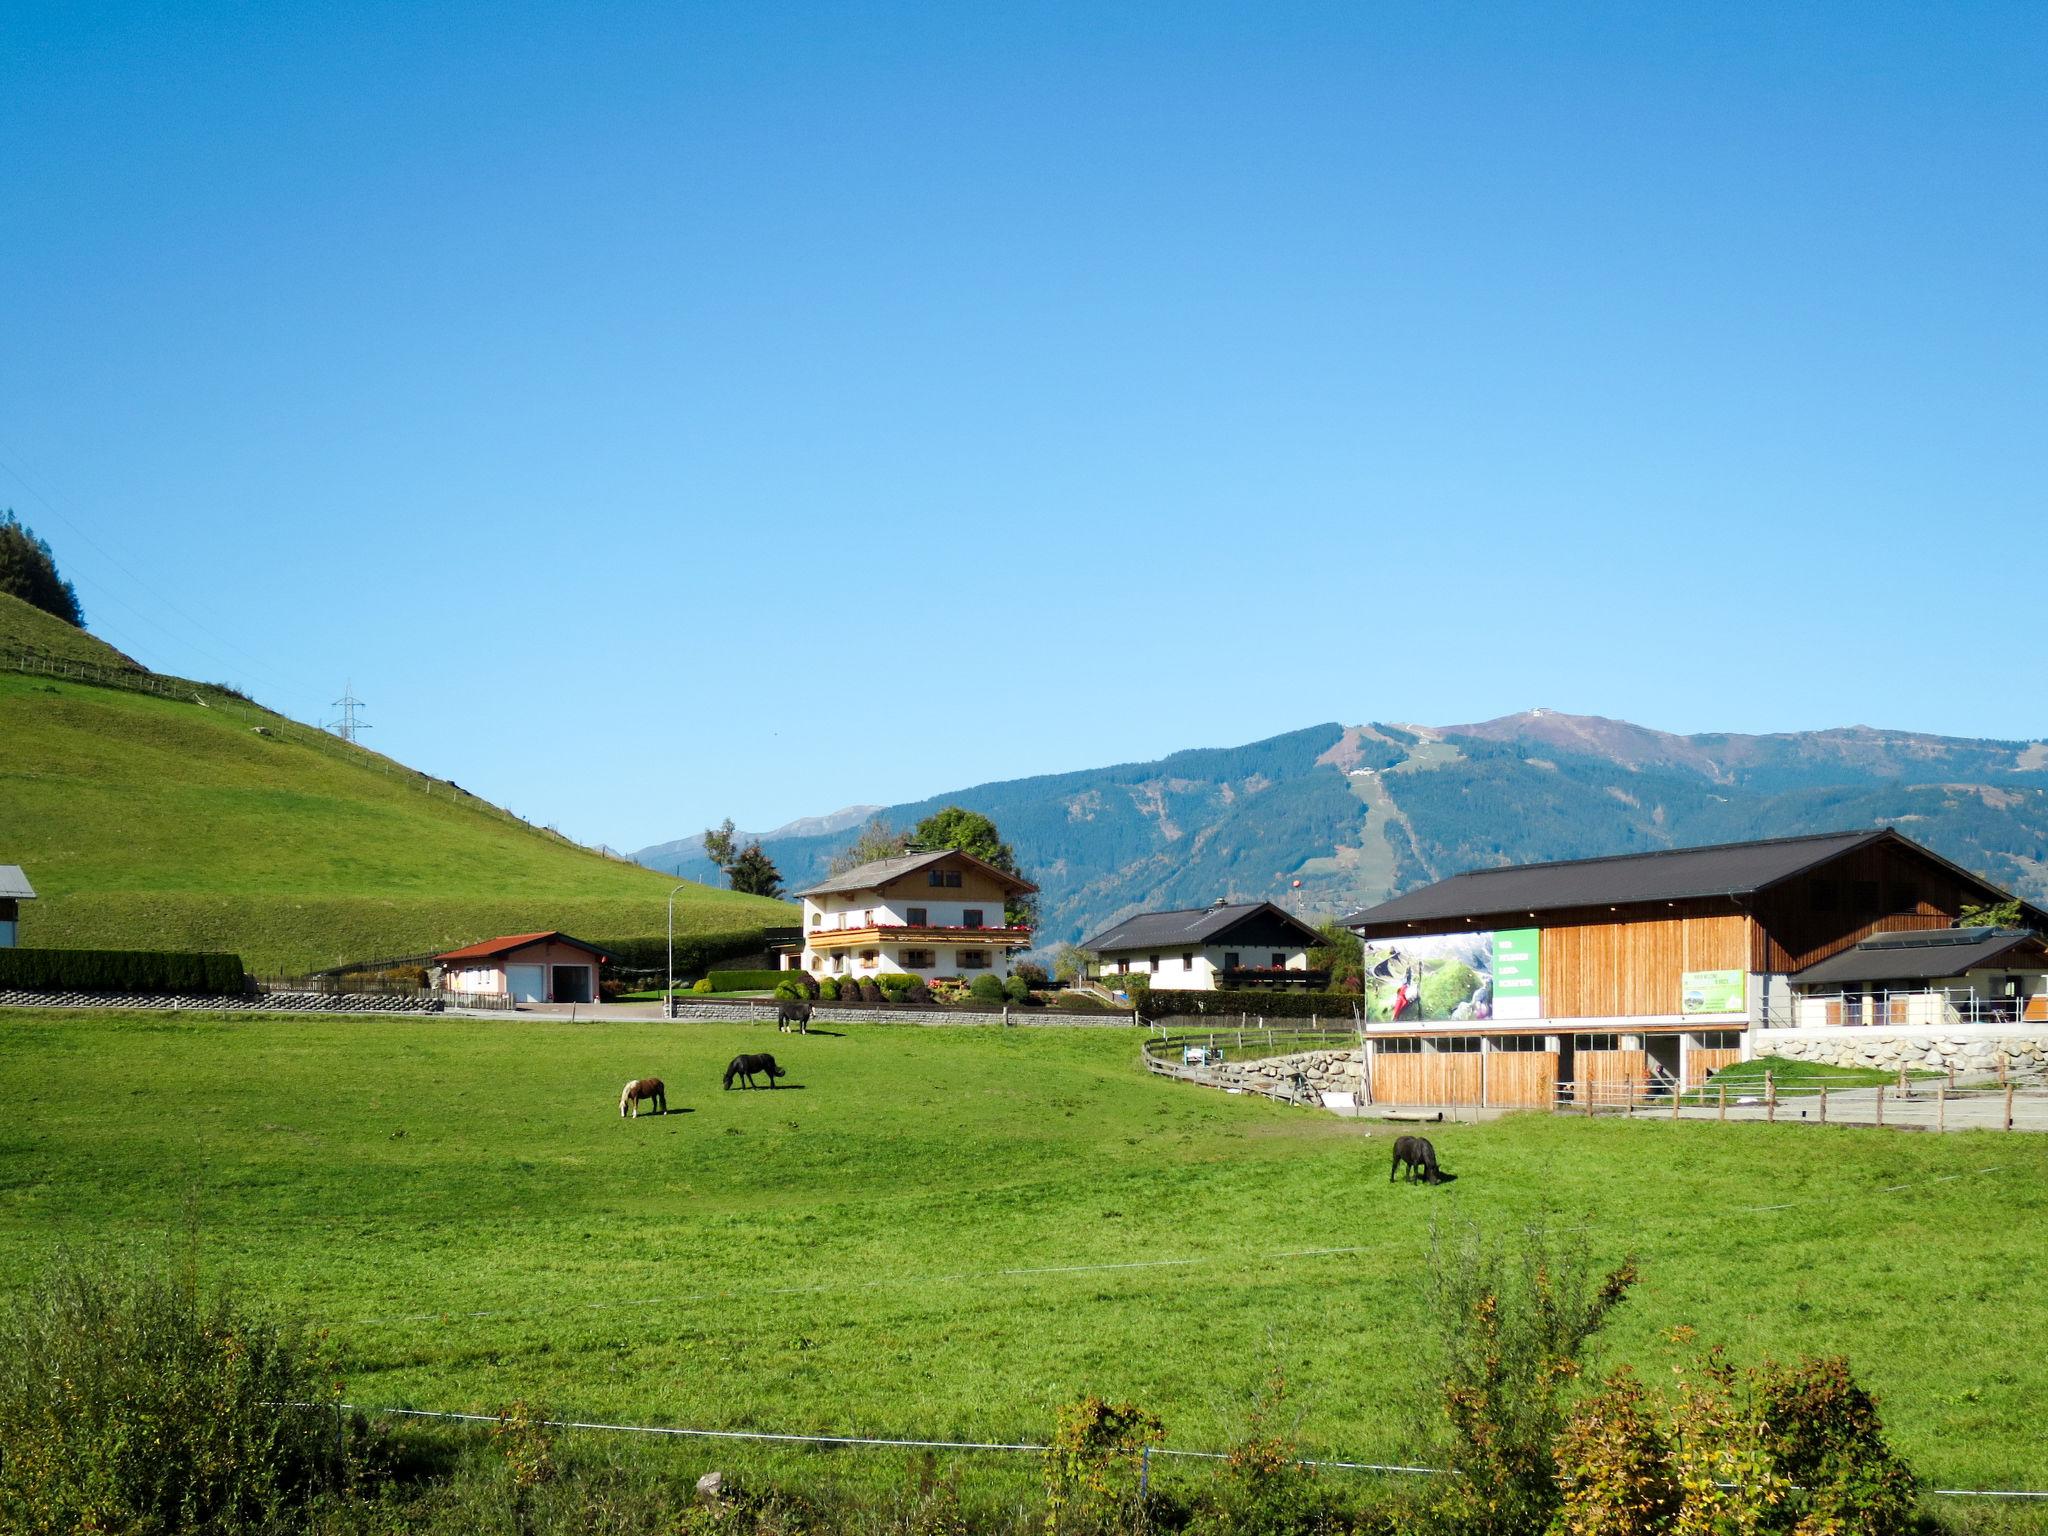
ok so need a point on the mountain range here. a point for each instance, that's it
(1358, 813)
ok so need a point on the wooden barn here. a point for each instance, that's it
(1634, 974)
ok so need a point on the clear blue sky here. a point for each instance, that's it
(670, 412)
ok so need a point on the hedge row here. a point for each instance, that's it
(1160, 1003)
(695, 953)
(119, 970)
(744, 981)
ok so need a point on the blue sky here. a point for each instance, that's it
(670, 412)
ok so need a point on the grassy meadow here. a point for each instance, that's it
(148, 822)
(947, 1232)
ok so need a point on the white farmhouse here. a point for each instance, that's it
(1203, 948)
(934, 915)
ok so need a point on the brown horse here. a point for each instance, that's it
(649, 1089)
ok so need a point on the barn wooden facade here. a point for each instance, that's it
(1633, 974)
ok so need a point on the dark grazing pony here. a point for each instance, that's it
(1416, 1152)
(798, 1014)
(744, 1068)
(650, 1089)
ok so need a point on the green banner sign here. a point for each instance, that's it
(1518, 973)
(1713, 992)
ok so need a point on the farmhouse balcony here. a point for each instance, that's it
(1928, 1008)
(917, 934)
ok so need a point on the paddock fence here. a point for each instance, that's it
(818, 1442)
(2000, 1101)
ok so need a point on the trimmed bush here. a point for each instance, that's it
(1276, 1004)
(986, 989)
(1017, 990)
(702, 986)
(120, 970)
(129, 1402)
(695, 955)
(895, 985)
(795, 987)
(745, 981)
(828, 989)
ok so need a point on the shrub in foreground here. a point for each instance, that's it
(986, 989)
(130, 1402)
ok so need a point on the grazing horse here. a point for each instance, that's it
(1416, 1152)
(798, 1014)
(650, 1089)
(744, 1068)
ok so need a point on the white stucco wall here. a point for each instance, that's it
(1208, 962)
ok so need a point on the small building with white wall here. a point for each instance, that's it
(936, 915)
(14, 890)
(525, 967)
(1201, 949)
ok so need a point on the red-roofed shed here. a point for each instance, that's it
(526, 967)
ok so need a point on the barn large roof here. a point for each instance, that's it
(1669, 874)
(1190, 925)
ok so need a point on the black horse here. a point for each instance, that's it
(744, 1068)
(798, 1014)
(1416, 1152)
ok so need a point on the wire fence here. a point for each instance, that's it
(1015, 1447)
(2003, 1101)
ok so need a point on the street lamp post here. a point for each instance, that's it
(668, 993)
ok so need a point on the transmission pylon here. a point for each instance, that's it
(348, 725)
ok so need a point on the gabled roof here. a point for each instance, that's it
(14, 884)
(879, 872)
(1928, 954)
(1670, 874)
(489, 949)
(1191, 925)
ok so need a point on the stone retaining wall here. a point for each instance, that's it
(1273, 1076)
(241, 1002)
(1967, 1048)
(742, 1010)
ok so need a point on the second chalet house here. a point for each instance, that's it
(1243, 944)
(933, 915)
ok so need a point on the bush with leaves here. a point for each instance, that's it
(702, 986)
(129, 1401)
(793, 988)
(987, 990)
(1262, 1488)
(828, 989)
(1017, 990)
(1512, 1319)
(895, 985)
(1093, 1466)
(1768, 1451)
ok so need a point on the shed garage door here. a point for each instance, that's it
(527, 983)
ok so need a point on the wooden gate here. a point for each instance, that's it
(1701, 1064)
(1611, 1077)
(1451, 1078)
(1521, 1079)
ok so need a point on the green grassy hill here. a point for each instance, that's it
(171, 821)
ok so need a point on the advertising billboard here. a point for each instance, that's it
(1455, 977)
(1713, 992)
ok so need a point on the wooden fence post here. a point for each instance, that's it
(1770, 1097)
(1677, 1095)
(2008, 1106)
(1721, 1109)
(1880, 1106)
(1941, 1106)
(1823, 1103)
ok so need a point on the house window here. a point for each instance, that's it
(817, 918)
(1597, 1042)
(973, 959)
(943, 877)
(1458, 1045)
(953, 878)
(971, 918)
(1123, 967)
(1514, 1044)
(868, 918)
(1187, 961)
(919, 959)
(1718, 1040)
(1401, 1045)
(868, 957)
(839, 962)
(917, 917)
(1279, 962)
(1231, 960)
(1154, 962)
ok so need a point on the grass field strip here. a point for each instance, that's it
(728, 1292)
(669, 1432)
